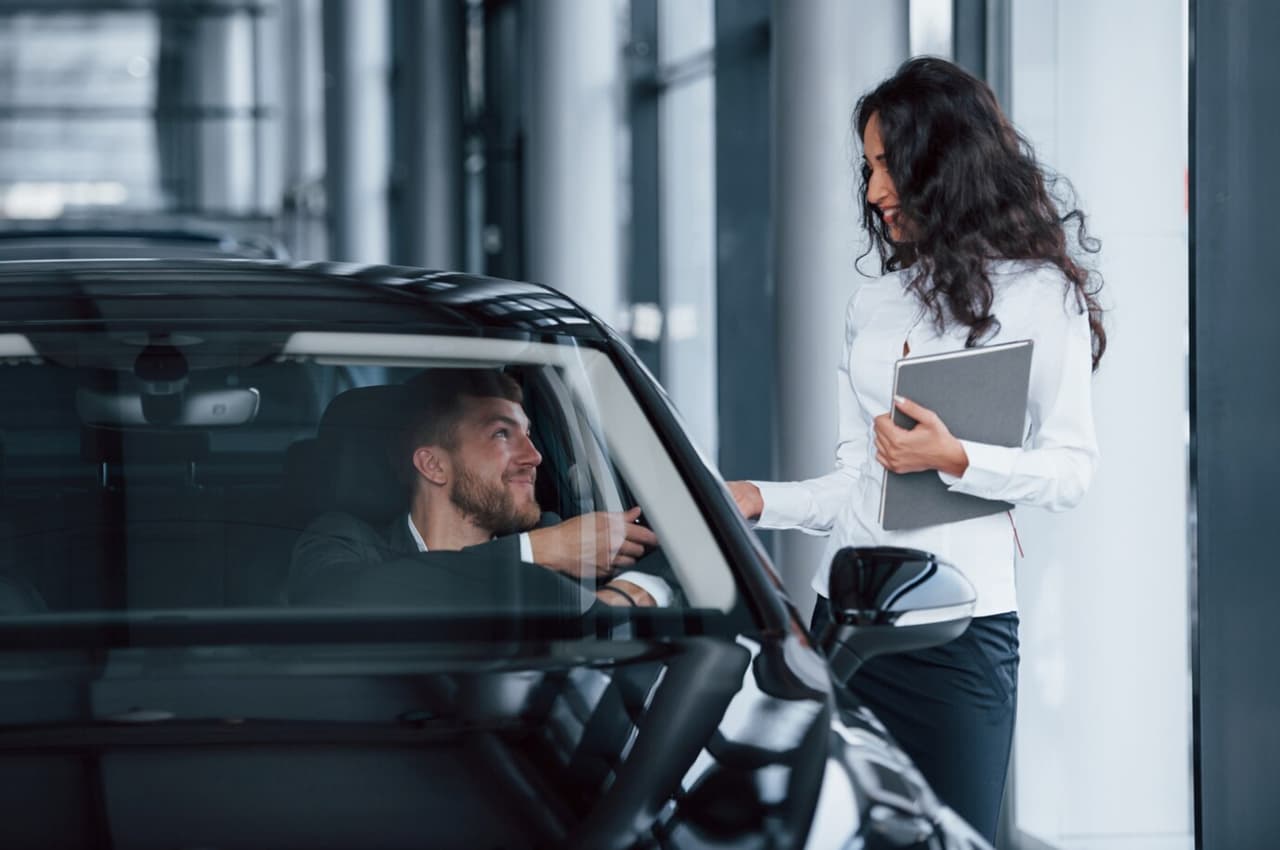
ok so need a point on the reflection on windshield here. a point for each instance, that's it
(209, 471)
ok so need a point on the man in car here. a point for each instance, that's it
(474, 536)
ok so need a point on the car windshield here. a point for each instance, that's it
(205, 472)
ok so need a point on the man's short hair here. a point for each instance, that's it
(437, 403)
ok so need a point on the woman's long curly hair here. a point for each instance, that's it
(969, 191)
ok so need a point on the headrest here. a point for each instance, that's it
(142, 446)
(358, 437)
(19, 596)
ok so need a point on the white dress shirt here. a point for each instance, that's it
(1052, 469)
(651, 584)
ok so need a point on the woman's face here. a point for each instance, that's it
(881, 192)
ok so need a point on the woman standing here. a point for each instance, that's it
(975, 251)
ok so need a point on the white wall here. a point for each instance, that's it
(1103, 738)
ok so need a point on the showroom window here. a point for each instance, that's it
(76, 94)
(129, 108)
(672, 185)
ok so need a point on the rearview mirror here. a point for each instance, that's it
(889, 599)
(205, 408)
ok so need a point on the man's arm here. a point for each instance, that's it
(342, 561)
(593, 544)
(654, 576)
(597, 544)
(332, 552)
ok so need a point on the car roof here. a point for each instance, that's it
(61, 294)
(90, 238)
(97, 245)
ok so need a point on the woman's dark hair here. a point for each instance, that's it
(969, 191)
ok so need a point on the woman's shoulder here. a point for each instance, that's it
(1043, 271)
(869, 299)
(887, 285)
(1030, 284)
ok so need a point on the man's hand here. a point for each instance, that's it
(747, 497)
(633, 592)
(929, 445)
(592, 544)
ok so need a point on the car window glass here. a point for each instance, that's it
(136, 478)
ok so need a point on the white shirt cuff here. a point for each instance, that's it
(786, 504)
(990, 468)
(650, 584)
(526, 548)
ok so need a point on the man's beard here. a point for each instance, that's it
(492, 507)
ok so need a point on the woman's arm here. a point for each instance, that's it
(1055, 466)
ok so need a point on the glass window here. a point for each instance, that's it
(198, 469)
(136, 110)
(687, 178)
(77, 91)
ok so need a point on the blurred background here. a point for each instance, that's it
(685, 169)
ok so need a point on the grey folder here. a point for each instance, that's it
(981, 395)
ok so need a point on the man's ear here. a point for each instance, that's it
(432, 464)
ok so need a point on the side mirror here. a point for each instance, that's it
(889, 599)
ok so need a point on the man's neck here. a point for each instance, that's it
(444, 527)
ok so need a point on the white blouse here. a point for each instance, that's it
(1052, 469)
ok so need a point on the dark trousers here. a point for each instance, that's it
(951, 708)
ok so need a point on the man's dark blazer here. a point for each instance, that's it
(341, 560)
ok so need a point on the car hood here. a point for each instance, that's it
(701, 740)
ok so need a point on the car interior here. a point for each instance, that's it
(118, 493)
(100, 517)
(109, 502)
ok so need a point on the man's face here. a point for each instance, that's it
(494, 466)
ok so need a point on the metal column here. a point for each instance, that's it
(644, 248)
(573, 175)
(228, 173)
(1235, 405)
(357, 124)
(969, 35)
(502, 237)
(998, 70)
(302, 128)
(426, 199)
(826, 54)
(207, 112)
(745, 306)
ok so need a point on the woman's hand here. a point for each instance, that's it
(747, 497)
(929, 445)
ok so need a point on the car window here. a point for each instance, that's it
(197, 470)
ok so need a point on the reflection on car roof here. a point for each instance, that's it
(70, 293)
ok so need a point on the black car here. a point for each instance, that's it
(129, 237)
(170, 428)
